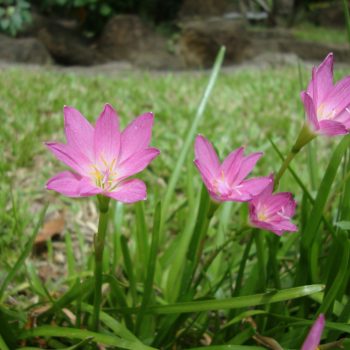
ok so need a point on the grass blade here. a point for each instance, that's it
(323, 192)
(72, 333)
(27, 250)
(234, 303)
(189, 138)
(148, 286)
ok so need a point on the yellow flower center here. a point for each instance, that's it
(322, 114)
(262, 216)
(104, 174)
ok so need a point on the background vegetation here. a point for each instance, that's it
(247, 107)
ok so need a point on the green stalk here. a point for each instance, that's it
(260, 252)
(305, 136)
(347, 17)
(99, 243)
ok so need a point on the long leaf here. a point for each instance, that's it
(190, 135)
(233, 303)
(323, 192)
(72, 333)
(148, 286)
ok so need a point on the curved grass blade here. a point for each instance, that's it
(118, 328)
(234, 303)
(74, 347)
(73, 333)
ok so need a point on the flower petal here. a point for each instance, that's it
(205, 174)
(231, 164)
(310, 110)
(129, 191)
(86, 188)
(278, 201)
(247, 165)
(313, 339)
(70, 156)
(206, 156)
(137, 162)
(344, 118)
(136, 136)
(107, 135)
(79, 132)
(65, 183)
(322, 80)
(332, 128)
(255, 186)
(339, 97)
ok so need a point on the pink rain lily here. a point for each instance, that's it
(313, 339)
(327, 106)
(226, 181)
(102, 157)
(272, 212)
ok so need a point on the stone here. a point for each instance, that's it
(128, 38)
(200, 41)
(67, 46)
(24, 50)
(123, 35)
(314, 51)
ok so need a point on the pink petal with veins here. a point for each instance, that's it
(136, 136)
(79, 132)
(107, 135)
(129, 191)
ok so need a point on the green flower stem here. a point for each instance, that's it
(260, 252)
(305, 136)
(206, 211)
(99, 243)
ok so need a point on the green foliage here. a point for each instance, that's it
(93, 14)
(313, 33)
(13, 15)
(157, 292)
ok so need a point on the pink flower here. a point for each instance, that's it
(102, 157)
(327, 105)
(226, 181)
(272, 212)
(313, 339)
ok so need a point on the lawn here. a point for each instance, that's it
(248, 107)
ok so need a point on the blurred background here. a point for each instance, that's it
(170, 34)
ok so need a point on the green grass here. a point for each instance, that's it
(246, 107)
(313, 33)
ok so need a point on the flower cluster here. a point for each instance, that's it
(227, 182)
(104, 158)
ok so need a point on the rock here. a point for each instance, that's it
(25, 50)
(313, 51)
(67, 47)
(127, 37)
(124, 35)
(200, 41)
